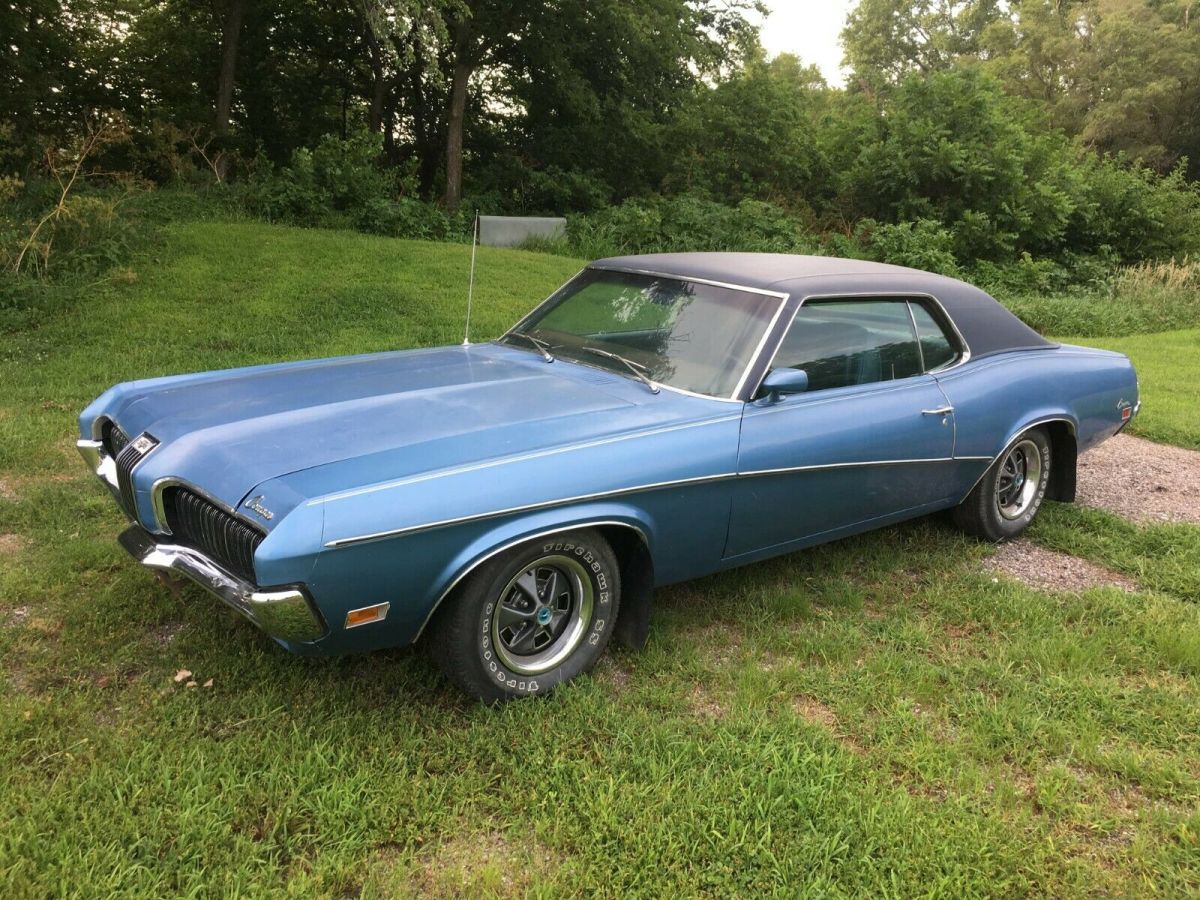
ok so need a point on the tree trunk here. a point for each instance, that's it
(378, 82)
(231, 32)
(428, 145)
(455, 115)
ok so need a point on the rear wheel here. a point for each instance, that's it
(530, 619)
(1010, 494)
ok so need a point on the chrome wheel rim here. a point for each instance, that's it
(1019, 479)
(541, 615)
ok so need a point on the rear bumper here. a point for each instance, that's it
(285, 613)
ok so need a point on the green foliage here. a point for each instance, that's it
(1137, 300)
(336, 177)
(953, 148)
(923, 244)
(755, 135)
(414, 219)
(683, 224)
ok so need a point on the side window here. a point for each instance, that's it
(937, 349)
(847, 342)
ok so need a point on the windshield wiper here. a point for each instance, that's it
(639, 371)
(543, 347)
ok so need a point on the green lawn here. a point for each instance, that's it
(877, 716)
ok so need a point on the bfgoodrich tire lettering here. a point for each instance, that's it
(530, 619)
(1009, 495)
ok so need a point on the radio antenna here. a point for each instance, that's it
(471, 281)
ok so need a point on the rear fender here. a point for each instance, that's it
(1062, 428)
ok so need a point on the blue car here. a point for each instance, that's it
(659, 418)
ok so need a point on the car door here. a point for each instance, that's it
(871, 437)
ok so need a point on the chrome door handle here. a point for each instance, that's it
(940, 411)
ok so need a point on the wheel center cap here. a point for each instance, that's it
(543, 616)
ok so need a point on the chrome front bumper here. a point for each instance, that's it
(285, 613)
(101, 464)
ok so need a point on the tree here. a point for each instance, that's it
(756, 135)
(953, 148)
(885, 39)
(1122, 75)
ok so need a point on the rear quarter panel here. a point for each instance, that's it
(998, 397)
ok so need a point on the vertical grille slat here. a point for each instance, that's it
(202, 525)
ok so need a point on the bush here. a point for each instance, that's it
(1139, 299)
(413, 219)
(923, 244)
(1133, 214)
(687, 224)
(329, 185)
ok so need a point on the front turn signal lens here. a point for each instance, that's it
(367, 614)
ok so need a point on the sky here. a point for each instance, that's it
(810, 29)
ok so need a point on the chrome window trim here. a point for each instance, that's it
(496, 551)
(160, 514)
(766, 292)
(339, 543)
(912, 320)
(965, 354)
(754, 356)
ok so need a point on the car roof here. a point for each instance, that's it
(984, 324)
(765, 271)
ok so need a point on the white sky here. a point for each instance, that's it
(810, 29)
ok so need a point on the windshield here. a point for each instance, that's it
(683, 334)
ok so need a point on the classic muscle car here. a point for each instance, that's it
(658, 418)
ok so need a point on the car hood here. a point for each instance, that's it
(396, 414)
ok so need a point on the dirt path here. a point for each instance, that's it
(1049, 570)
(1141, 481)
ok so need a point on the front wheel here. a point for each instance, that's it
(1010, 494)
(530, 619)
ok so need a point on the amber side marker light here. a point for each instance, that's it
(367, 614)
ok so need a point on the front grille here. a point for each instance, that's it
(113, 439)
(129, 457)
(204, 526)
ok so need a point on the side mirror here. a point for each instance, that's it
(784, 381)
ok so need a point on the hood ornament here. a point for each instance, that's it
(256, 504)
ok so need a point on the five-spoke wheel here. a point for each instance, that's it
(1010, 493)
(530, 618)
(542, 613)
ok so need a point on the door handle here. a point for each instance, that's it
(940, 411)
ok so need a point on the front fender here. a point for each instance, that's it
(510, 534)
(416, 572)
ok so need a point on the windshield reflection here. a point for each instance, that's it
(688, 335)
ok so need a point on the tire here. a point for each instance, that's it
(530, 619)
(1009, 495)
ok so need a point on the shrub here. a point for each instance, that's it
(413, 219)
(320, 186)
(923, 244)
(686, 224)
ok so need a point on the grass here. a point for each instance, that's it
(872, 717)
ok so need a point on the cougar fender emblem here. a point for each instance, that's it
(256, 504)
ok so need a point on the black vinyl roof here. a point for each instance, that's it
(985, 325)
